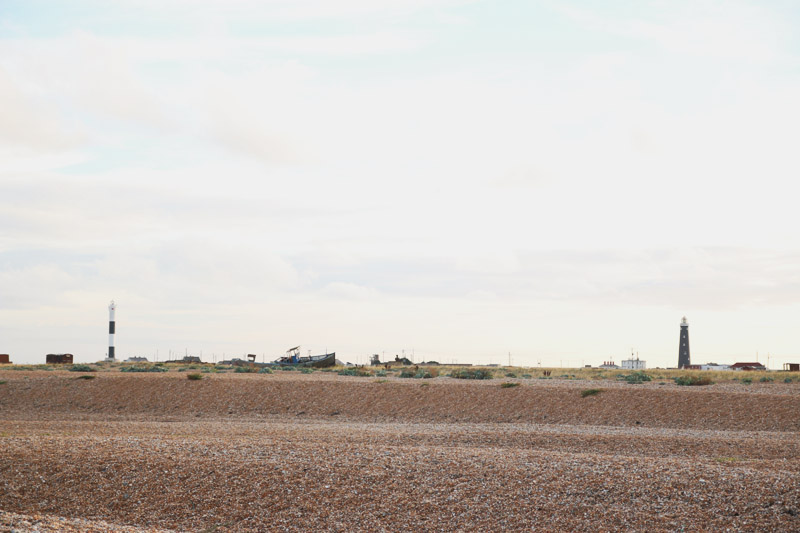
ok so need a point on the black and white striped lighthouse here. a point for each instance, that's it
(111, 308)
(683, 345)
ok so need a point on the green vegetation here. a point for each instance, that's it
(81, 368)
(143, 368)
(635, 378)
(692, 380)
(194, 377)
(354, 371)
(590, 392)
(265, 370)
(245, 370)
(747, 381)
(3, 382)
(86, 377)
(381, 373)
(508, 385)
(787, 380)
(471, 373)
(766, 379)
(306, 370)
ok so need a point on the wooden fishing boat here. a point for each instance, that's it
(293, 358)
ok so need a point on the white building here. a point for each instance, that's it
(714, 366)
(634, 364)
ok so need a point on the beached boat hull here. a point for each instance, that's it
(312, 361)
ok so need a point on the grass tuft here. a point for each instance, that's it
(194, 377)
(467, 373)
(693, 381)
(86, 377)
(508, 385)
(81, 368)
(590, 392)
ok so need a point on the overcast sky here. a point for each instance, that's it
(561, 180)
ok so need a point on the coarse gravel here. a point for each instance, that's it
(293, 452)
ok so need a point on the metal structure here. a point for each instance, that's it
(4, 359)
(683, 345)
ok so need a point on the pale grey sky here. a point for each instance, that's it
(559, 180)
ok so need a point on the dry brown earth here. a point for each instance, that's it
(287, 451)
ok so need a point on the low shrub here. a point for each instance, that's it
(86, 377)
(590, 392)
(194, 377)
(245, 370)
(476, 373)
(747, 381)
(382, 373)
(354, 371)
(787, 380)
(143, 368)
(511, 375)
(526, 376)
(265, 370)
(81, 368)
(426, 373)
(635, 378)
(306, 370)
(408, 373)
(691, 381)
(508, 385)
(766, 379)
(3, 382)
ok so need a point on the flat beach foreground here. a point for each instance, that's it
(302, 452)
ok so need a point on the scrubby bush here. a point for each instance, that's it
(747, 381)
(526, 376)
(382, 373)
(511, 375)
(407, 373)
(692, 380)
(194, 377)
(306, 370)
(265, 370)
(766, 379)
(86, 377)
(787, 380)
(354, 371)
(590, 392)
(508, 385)
(143, 368)
(245, 370)
(467, 373)
(634, 378)
(81, 368)
(427, 373)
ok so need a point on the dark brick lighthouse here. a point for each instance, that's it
(683, 347)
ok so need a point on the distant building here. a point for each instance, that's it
(791, 367)
(683, 345)
(634, 364)
(714, 366)
(136, 360)
(748, 366)
(4, 359)
(59, 359)
(608, 364)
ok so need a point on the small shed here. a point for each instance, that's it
(4, 359)
(789, 367)
(59, 359)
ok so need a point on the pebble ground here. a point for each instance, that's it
(292, 452)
